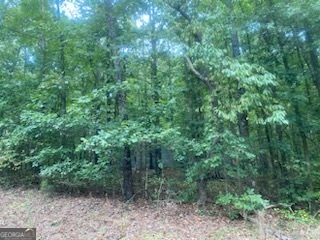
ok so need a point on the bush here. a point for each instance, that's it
(298, 215)
(242, 205)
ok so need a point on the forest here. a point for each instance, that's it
(207, 101)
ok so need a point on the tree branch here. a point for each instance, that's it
(203, 79)
(289, 206)
(177, 8)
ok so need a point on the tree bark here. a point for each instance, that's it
(156, 87)
(127, 174)
(62, 94)
(314, 61)
(202, 189)
(121, 99)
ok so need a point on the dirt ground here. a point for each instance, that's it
(68, 217)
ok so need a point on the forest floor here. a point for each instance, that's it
(88, 218)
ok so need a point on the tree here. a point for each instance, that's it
(231, 88)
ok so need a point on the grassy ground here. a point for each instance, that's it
(75, 218)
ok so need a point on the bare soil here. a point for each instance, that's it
(68, 217)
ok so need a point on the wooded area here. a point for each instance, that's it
(116, 96)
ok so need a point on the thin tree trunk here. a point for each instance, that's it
(282, 154)
(243, 123)
(127, 174)
(202, 189)
(156, 86)
(62, 101)
(265, 162)
(118, 77)
(42, 43)
(314, 61)
(270, 147)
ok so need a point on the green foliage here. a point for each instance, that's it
(47, 187)
(296, 193)
(186, 192)
(246, 203)
(76, 93)
(80, 176)
(302, 216)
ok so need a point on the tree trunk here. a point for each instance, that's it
(266, 165)
(62, 95)
(156, 88)
(127, 174)
(243, 124)
(283, 156)
(314, 62)
(270, 147)
(121, 101)
(202, 189)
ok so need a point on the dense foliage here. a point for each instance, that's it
(96, 98)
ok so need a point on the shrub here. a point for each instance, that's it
(242, 205)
